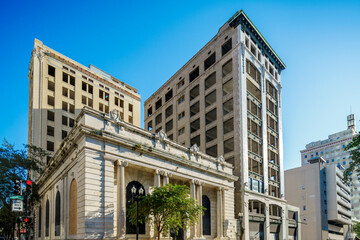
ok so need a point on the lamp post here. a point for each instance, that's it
(137, 194)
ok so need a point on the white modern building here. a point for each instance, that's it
(332, 151)
(323, 197)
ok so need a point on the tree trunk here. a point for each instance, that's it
(159, 233)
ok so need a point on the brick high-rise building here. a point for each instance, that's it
(60, 87)
(227, 100)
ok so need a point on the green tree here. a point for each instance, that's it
(169, 208)
(356, 228)
(354, 167)
(14, 165)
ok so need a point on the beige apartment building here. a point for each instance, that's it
(226, 100)
(59, 88)
(318, 189)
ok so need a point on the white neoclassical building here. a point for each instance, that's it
(85, 188)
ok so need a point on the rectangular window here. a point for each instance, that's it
(150, 126)
(65, 92)
(212, 151)
(210, 116)
(168, 95)
(210, 80)
(72, 80)
(169, 125)
(228, 87)
(158, 119)
(50, 146)
(50, 131)
(227, 68)
(252, 71)
(195, 140)
(149, 111)
(51, 86)
(209, 61)
(51, 101)
(169, 111)
(64, 106)
(121, 103)
(194, 109)
(210, 98)
(101, 94)
(64, 120)
(226, 47)
(72, 94)
(180, 84)
(63, 134)
(228, 107)
(90, 89)
(90, 102)
(211, 134)
(194, 74)
(194, 92)
(101, 107)
(83, 87)
(181, 131)
(51, 71)
(181, 99)
(71, 122)
(131, 119)
(71, 108)
(195, 125)
(158, 104)
(50, 115)
(65, 77)
(181, 115)
(83, 100)
(229, 145)
(228, 126)
(130, 107)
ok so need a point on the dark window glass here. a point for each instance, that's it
(50, 131)
(51, 70)
(226, 47)
(130, 228)
(47, 219)
(50, 146)
(206, 216)
(50, 115)
(57, 214)
(209, 61)
(158, 104)
(195, 125)
(210, 80)
(39, 222)
(168, 95)
(194, 74)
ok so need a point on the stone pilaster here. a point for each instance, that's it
(121, 199)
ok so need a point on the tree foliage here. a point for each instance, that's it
(356, 228)
(169, 208)
(354, 167)
(14, 165)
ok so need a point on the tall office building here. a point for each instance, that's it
(332, 150)
(60, 87)
(323, 197)
(226, 100)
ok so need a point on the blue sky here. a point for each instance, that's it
(143, 43)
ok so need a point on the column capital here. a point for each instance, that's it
(168, 174)
(122, 163)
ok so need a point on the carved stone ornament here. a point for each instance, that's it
(115, 115)
(195, 149)
(162, 135)
(221, 161)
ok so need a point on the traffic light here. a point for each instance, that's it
(17, 187)
(28, 187)
(27, 220)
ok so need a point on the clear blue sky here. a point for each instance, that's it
(143, 43)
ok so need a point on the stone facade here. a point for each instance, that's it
(87, 180)
(227, 100)
(60, 87)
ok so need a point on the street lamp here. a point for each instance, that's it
(137, 194)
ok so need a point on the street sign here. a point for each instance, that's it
(17, 197)
(17, 205)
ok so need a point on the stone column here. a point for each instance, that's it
(219, 213)
(121, 199)
(192, 194)
(157, 178)
(200, 203)
(267, 221)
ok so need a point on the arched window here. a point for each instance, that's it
(73, 208)
(57, 214)
(47, 218)
(39, 222)
(206, 216)
(131, 229)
